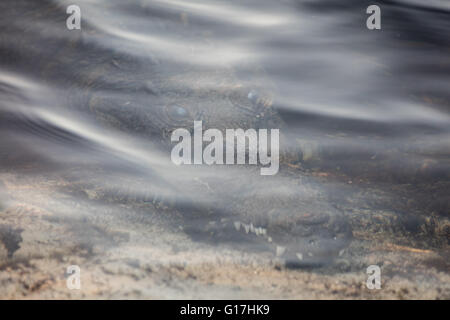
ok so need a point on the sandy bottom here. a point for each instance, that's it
(126, 253)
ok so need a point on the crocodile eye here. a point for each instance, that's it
(253, 96)
(176, 112)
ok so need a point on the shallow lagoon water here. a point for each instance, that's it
(85, 148)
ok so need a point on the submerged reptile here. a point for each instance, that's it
(149, 97)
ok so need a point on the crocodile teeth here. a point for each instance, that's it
(258, 231)
(299, 256)
(280, 250)
(251, 228)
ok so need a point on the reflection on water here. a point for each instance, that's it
(86, 121)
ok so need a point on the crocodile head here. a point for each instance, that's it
(152, 100)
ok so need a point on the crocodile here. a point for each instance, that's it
(147, 96)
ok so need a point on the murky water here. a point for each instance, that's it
(364, 117)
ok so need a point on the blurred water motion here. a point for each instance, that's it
(358, 108)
